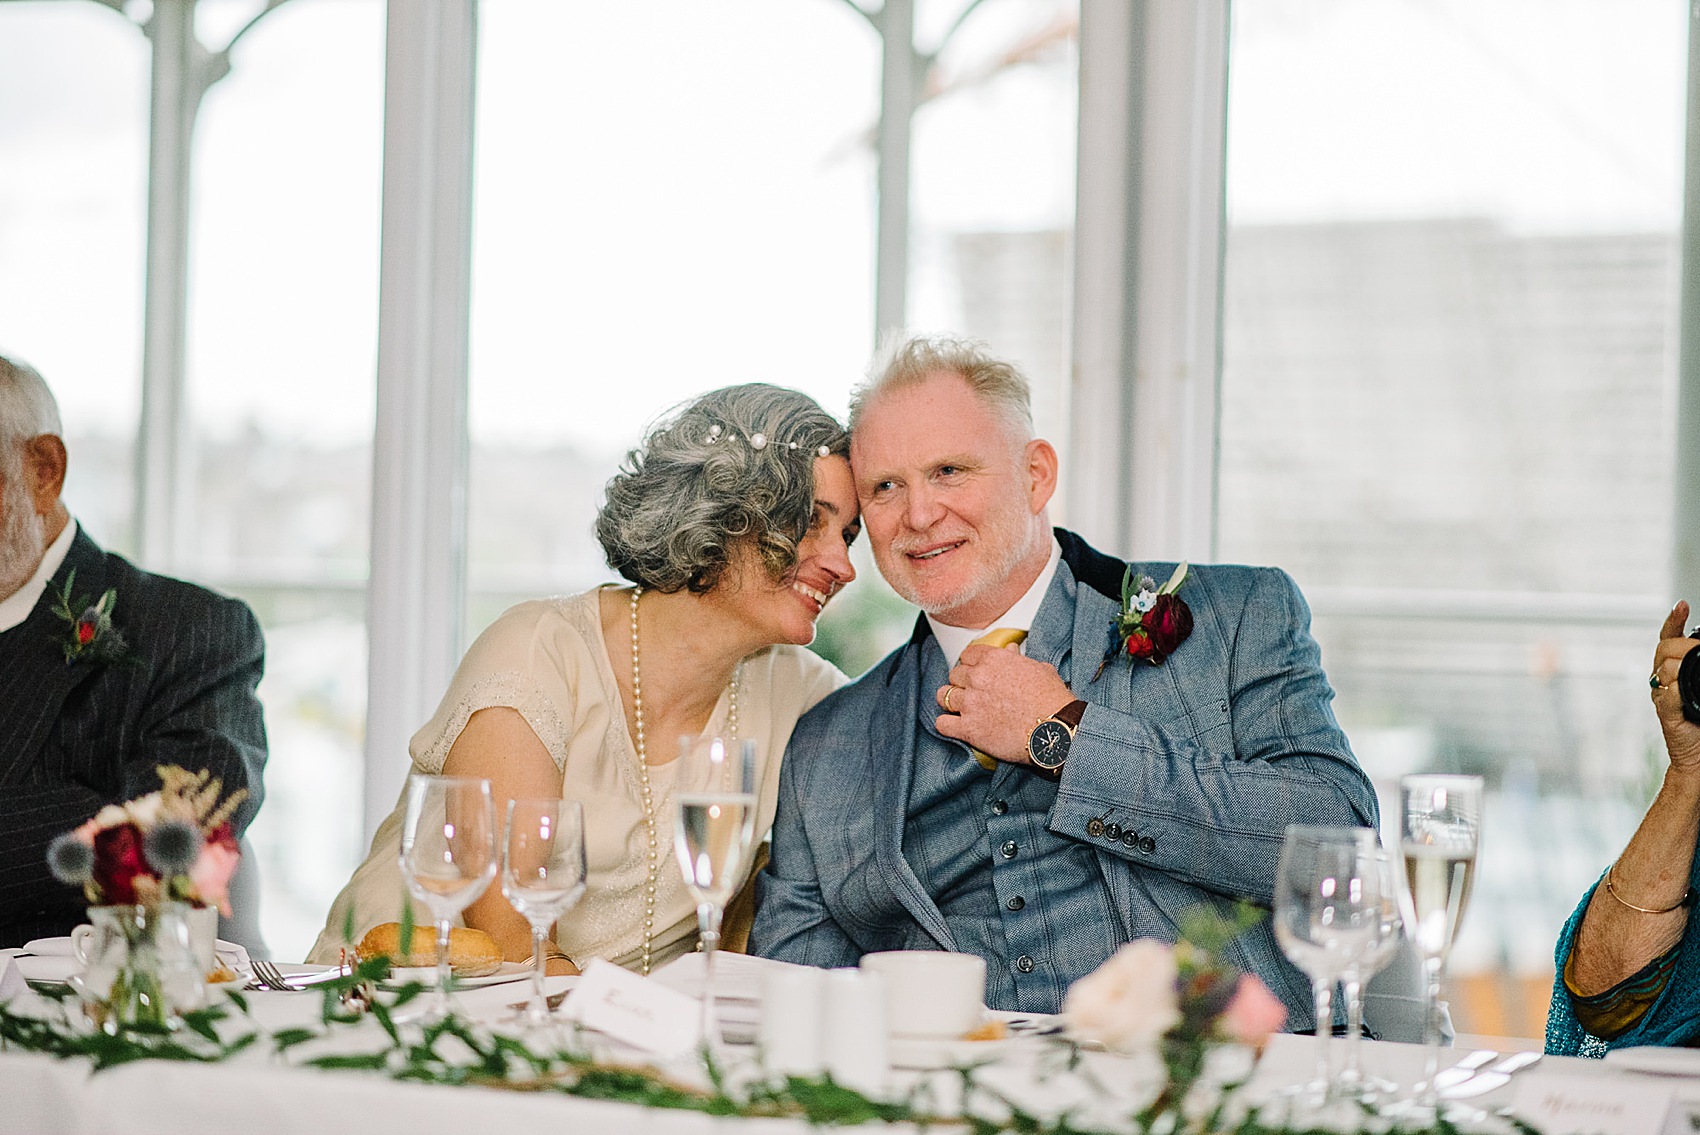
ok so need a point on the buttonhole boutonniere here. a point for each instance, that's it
(92, 637)
(1154, 620)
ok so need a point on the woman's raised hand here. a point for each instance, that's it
(1682, 737)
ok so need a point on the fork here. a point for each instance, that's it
(268, 976)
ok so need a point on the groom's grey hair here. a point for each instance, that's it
(27, 407)
(732, 468)
(903, 362)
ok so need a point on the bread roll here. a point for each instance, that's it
(472, 953)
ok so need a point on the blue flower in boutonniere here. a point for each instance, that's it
(93, 638)
(1153, 623)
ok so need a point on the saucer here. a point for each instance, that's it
(924, 1053)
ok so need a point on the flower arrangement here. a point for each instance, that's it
(1153, 621)
(1179, 1000)
(176, 844)
(92, 636)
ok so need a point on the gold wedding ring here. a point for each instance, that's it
(948, 691)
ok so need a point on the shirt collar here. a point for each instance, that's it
(953, 640)
(16, 607)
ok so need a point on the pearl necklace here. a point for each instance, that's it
(654, 864)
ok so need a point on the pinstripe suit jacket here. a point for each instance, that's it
(76, 736)
(1182, 777)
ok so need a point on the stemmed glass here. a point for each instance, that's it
(448, 857)
(543, 876)
(1386, 930)
(1326, 911)
(715, 829)
(1440, 823)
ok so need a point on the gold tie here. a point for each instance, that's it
(997, 638)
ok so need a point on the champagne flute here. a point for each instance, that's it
(1325, 914)
(1440, 822)
(448, 857)
(713, 838)
(543, 876)
(1386, 932)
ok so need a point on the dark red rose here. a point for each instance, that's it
(1140, 645)
(223, 836)
(117, 861)
(1168, 622)
(85, 632)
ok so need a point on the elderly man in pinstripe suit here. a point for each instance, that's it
(78, 733)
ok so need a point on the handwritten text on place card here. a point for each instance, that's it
(641, 1012)
(1590, 1105)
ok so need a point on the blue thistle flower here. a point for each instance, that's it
(70, 859)
(172, 847)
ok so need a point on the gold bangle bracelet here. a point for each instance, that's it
(1687, 900)
(550, 953)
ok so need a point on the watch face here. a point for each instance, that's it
(1048, 744)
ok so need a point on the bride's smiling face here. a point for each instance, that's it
(785, 610)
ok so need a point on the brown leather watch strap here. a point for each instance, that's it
(1071, 713)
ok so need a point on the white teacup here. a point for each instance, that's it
(931, 993)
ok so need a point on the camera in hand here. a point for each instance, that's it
(1688, 681)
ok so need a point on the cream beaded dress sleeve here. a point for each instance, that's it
(547, 660)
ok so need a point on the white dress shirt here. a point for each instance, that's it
(953, 640)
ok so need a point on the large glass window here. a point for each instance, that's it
(1448, 387)
(281, 332)
(283, 321)
(669, 197)
(73, 138)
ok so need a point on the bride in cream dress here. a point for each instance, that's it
(734, 523)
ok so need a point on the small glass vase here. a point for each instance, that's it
(139, 966)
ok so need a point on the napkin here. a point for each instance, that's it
(11, 978)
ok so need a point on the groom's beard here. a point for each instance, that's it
(23, 534)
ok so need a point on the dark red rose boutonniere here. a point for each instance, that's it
(92, 637)
(1154, 620)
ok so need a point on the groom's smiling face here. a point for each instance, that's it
(953, 499)
(23, 531)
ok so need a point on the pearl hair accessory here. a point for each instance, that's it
(758, 441)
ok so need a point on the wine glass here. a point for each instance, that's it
(543, 876)
(448, 856)
(713, 837)
(1386, 930)
(1440, 822)
(1326, 911)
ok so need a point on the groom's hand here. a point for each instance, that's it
(995, 697)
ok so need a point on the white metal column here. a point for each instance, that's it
(419, 451)
(1148, 268)
(1685, 528)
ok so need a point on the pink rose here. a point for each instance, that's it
(1252, 1013)
(214, 867)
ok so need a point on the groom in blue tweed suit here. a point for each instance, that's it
(1169, 786)
(79, 734)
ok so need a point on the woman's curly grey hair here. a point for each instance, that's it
(736, 466)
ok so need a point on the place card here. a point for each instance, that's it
(636, 1010)
(1592, 1105)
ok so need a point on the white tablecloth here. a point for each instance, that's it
(257, 1094)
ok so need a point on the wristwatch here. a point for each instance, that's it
(1050, 740)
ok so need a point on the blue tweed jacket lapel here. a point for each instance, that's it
(891, 757)
(36, 679)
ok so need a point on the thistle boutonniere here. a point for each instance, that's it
(1154, 621)
(92, 637)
